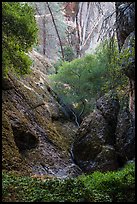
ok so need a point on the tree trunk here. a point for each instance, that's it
(44, 36)
(78, 31)
(53, 20)
(43, 29)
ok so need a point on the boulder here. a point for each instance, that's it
(93, 148)
(106, 160)
(109, 106)
(125, 136)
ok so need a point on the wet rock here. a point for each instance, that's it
(93, 148)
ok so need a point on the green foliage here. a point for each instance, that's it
(19, 33)
(127, 56)
(119, 64)
(115, 186)
(72, 80)
(108, 55)
(68, 53)
(90, 77)
(26, 189)
(57, 65)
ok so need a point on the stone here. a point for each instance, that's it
(36, 135)
(7, 84)
(106, 160)
(128, 63)
(125, 136)
(94, 146)
(109, 106)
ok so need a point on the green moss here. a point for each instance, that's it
(115, 186)
(12, 100)
(59, 137)
(9, 150)
(41, 115)
(11, 158)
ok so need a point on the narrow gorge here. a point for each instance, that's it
(68, 101)
(44, 138)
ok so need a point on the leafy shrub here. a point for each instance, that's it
(19, 33)
(115, 186)
(57, 65)
(68, 53)
(88, 78)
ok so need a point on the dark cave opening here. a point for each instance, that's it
(24, 140)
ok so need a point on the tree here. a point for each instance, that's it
(79, 82)
(43, 18)
(69, 54)
(82, 81)
(53, 20)
(52, 27)
(19, 33)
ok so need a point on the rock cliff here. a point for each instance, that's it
(36, 133)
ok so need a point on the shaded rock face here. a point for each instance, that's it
(128, 68)
(36, 136)
(125, 19)
(109, 107)
(94, 146)
(11, 158)
(128, 64)
(125, 22)
(24, 140)
(7, 84)
(125, 136)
